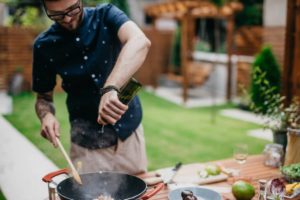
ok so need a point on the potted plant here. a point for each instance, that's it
(279, 115)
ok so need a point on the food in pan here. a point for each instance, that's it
(104, 197)
(188, 195)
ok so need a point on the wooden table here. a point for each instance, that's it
(253, 169)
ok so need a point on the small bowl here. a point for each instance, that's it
(292, 169)
(200, 193)
(290, 179)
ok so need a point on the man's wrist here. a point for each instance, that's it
(45, 115)
(43, 108)
(109, 88)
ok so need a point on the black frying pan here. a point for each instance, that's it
(119, 186)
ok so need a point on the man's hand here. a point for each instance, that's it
(50, 128)
(110, 108)
(46, 112)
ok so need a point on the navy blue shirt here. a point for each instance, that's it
(84, 59)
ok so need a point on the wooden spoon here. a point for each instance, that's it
(73, 170)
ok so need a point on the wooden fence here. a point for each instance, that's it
(275, 37)
(158, 59)
(16, 54)
(16, 46)
(248, 40)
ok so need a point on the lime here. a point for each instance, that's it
(243, 190)
(213, 170)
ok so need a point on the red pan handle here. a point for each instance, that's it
(156, 189)
(48, 177)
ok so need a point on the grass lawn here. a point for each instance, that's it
(172, 133)
(1, 196)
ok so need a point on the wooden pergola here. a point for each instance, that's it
(187, 12)
(291, 72)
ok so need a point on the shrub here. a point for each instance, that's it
(279, 115)
(121, 4)
(267, 64)
(176, 50)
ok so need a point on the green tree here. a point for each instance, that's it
(219, 3)
(122, 4)
(30, 12)
(26, 13)
(176, 50)
(252, 13)
(266, 62)
(94, 2)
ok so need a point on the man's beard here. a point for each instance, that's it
(74, 24)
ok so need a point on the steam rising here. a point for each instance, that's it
(89, 135)
(116, 185)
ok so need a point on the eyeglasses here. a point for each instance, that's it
(73, 10)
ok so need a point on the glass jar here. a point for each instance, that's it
(273, 155)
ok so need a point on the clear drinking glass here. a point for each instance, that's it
(240, 154)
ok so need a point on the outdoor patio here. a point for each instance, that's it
(14, 167)
(218, 74)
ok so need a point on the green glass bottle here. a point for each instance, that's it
(129, 90)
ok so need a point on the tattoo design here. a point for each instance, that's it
(44, 105)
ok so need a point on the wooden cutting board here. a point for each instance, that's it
(190, 174)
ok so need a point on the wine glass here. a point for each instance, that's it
(240, 154)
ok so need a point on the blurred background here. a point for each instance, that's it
(208, 66)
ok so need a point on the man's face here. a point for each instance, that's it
(68, 13)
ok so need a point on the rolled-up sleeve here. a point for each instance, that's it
(115, 18)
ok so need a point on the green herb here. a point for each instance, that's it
(292, 171)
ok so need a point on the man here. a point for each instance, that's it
(92, 49)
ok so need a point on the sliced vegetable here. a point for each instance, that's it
(275, 189)
(289, 188)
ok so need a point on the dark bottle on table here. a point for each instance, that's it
(129, 90)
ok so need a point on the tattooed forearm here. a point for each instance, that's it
(44, 105)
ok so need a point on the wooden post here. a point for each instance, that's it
(154, 72)
(191, 33)
(296, 66)
(289, 51)
(229, 40)
(184, 55)
(3, 59)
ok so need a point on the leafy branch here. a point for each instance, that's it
(278, 115)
